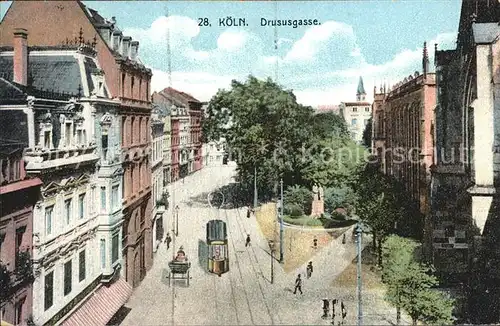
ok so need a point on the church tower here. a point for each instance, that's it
(360, 93)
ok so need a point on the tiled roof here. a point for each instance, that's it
(58, 73)
(184, 97)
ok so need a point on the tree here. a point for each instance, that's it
(328, 124)
(265, 129)
(334, 161)
(298, 196)
(367, 134)
(410, 285)
(335, 197)
(5, 283)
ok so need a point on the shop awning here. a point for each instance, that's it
(101, 306)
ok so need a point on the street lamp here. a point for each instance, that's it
(255, 187)
(176, 220)
(272, 248)
(281, 221)
(359, 233)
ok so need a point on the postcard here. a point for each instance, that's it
(249, 162)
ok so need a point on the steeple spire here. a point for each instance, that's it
(425, 60)
(360, 93)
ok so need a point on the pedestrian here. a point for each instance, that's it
(168, 239)
(343, 310)
(298, 285)
(326, 307)
(309, 269)
(248, 211)
(334, 302)
(343, 238)
(315, 243)
(247, 243)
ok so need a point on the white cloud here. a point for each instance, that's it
(315, 39)
(322, 67)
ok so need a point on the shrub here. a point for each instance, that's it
(300, 196)
(336, 197)
(294, 210)
(338, 216)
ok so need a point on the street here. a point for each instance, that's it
(244, 295)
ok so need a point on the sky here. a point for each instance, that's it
(380, 40)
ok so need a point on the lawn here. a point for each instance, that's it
(298, 242)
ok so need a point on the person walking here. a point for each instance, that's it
(315, 243)
(326, 304)
(298, 285)
(168, 239)
(249, 210)
(309, 269)
(247, 243)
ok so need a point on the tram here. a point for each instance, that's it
(218, 254)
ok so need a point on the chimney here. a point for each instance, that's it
(126, 46)
(21, 56)
(134, 50)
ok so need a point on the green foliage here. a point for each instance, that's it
(328, 124)
(267, 131)
(24, 268)
(300, 196)
(335, 197)
(410, 284)
(367, 134)
(338, 216)
(333, 162)
(294, 210)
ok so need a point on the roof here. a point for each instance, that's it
(356, 103)
(58, 73)
(328, 108)
(486, 33)
(10, 90)
(361, 87)
(181, 96)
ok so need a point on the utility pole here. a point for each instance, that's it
(359, 233)
(272, 248)
(254, 187)
(281, 221)
(176, 220)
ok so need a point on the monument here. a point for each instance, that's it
(318, 204)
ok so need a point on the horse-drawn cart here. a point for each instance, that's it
(179, 267)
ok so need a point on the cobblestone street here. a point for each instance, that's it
(244, 295)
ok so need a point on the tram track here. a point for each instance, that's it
(242, 228)
(239, 270)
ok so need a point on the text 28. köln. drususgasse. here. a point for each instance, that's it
(230, 21)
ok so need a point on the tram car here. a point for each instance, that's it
(218, 254)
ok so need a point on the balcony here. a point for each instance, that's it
(162, 203)
(48, 159)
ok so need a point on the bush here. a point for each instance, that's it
(338, 216)
(338, 197)
(300, 196)
(294, 210)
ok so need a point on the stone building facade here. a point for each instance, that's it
(403, 132)
(357, 114)
(158, 190)
(16, 218)
(128, 83)
(466, 172)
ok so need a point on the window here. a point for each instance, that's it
(67, 133)
(68, 272)
(48, 220)
(132, 82)
(354, 109)
(104, 143)
(114, 248)
(354, 122)
(81, 205)
(19, 312)
(81, 265)
(103, 198)
(367, 109)
(103, 253)
(123, 85)
(114, 196)
(79, 136)
(67, 210)
(46, 138)
(49, 290)
(19, 242)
